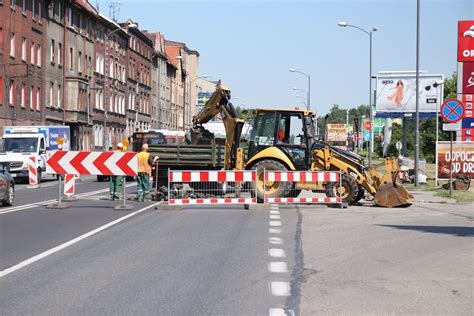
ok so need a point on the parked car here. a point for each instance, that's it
(7, 185)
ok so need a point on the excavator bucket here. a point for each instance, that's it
(201, 136)
(391, 192)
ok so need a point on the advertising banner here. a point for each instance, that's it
(467, 84)
(338, 132)
(379, 124)
(466, 40)
(462, 160)
(396, 93)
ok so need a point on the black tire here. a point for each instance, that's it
(278, 189)
(10, 197)
(350, 189)
(100, 178)
(360, 195)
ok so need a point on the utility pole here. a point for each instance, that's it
(417, 119)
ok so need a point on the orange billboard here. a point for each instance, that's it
(462, 159)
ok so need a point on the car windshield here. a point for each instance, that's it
(20, 145)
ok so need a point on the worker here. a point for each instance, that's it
(145, 161)
(116, 181)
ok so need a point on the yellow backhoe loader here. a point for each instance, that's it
(286, 140)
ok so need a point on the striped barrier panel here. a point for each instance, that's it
(211, 187)
(69, 184)
(32, 171)
(322, 179)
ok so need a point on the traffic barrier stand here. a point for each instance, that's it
(32, 173)
(305, 187)
(229, 187)
(70, 187)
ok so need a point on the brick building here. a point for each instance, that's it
(22, 29)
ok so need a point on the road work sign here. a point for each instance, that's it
(462, 159)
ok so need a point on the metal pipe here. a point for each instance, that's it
(371, 142)
(417, 119)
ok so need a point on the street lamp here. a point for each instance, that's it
(130, 25)
(374, 29)
(308, 93)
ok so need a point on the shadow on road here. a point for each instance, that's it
(459, 231)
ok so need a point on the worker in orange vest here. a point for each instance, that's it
(145, 161)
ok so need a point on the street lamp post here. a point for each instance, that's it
(104, 97)
(374, 29)
(308, 93)
(307, 99)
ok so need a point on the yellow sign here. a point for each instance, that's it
(60, 140)
(338, 132)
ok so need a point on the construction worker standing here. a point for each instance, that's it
(116, 181)
(145, 161)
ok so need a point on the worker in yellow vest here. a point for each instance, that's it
(116, 181)
(145, 161)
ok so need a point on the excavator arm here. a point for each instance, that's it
(219, 103)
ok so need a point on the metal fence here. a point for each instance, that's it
(211, 187)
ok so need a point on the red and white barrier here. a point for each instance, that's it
(304, 200)
(32, 171)
(211, 187)
(212, 176)
(302, 176)
(69, 185)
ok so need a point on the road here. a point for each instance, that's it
(278, 260)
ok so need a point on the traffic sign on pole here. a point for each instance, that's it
(452, 111)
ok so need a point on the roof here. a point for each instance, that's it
(86, 6)
(172, 52)
(112, 22)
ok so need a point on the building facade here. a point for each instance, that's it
(22, 59)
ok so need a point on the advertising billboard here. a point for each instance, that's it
(466, 76)
(462, 159)
(396, 93)
(466, 40)
(338, 132)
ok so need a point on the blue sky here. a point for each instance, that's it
(250, 45)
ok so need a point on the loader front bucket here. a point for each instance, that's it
(393, 194)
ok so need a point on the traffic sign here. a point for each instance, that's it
(93, 163)
(451, 127)
(367, 125)
(452, 111)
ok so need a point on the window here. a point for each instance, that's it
(39, 11)
(52, 52)
(38, 99)
(32, 97)
(23, 94)
(12, 45)
(69, 16)
(51, 94)
(60, 54)
(71, 59)
(23, 49)
(58, 96)
(32, 53)
(33, 9)
(23, 7)
(38, 55)
(12, 92)
(12, 4)
(79, 62)
(58, 9)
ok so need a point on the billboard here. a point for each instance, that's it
(466, 40)
(466, 76)
(462, 159)
(203, 97)
(338, 132)
(396, 93)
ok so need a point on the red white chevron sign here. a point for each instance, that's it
(93, 163)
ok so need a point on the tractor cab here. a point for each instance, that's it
(292, 132)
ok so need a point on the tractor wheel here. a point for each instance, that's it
(348, 189)
(269, 189)
(360, 195)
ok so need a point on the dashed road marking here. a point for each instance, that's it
(275, 216)
(275, 223)
(278, 267)
(279, 288)
(276, 253)
(274, 230)
(275, 240)
(281, 312)
(275, 212)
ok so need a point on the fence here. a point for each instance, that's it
(304, 187)
(211, 187)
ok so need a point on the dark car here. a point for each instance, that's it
(7, 185)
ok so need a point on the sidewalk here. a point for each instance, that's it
(431, 197)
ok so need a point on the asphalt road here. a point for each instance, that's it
(278, 260)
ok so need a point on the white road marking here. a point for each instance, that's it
(275, 240)
(281, 312)
(278, 267)
(276, 253)
(280, 288)
(275, 212)
(71, 242)
(42, 203)
(275, 223)
(274, 230)
(275, 217)
(274, 207)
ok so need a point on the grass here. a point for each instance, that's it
(459, 196)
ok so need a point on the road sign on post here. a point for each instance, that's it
(452, 111)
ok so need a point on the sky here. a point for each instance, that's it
(250, 45)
